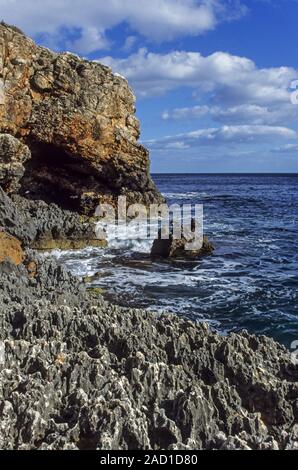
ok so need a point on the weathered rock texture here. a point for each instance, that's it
(58, 228)
(171, 248)
(11, 249)
(17, 222)
(46, 226)
(13, 156)
(78, 120)
(80, 373)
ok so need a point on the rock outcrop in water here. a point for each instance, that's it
(171, 248)
(78, 121)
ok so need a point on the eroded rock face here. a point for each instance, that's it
(16, 222)
(46, 226)
(78, 120)
(13, 156)
(58, 228)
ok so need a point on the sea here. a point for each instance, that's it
(251, 280)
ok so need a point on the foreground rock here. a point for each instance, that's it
(78, 121)
(80, 373)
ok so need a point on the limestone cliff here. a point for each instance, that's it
(78, 120)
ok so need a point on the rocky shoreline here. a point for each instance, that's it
(80, 373)
(77, 372)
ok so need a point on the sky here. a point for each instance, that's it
(216, 81)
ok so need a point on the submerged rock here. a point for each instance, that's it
(78, 120)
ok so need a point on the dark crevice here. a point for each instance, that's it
(55, 176)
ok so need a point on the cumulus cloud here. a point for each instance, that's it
(155, 19)
(91, 39)
(233, 79)
(153, 74)
(224, 135)
(236, 90)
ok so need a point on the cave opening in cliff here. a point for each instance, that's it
(56, 176)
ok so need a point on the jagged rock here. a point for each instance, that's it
(57, 228)
(80, 373)
(78, 120)
(46, 226)
(15, 222)
(13, 156)
(171, 248)
(10, 249)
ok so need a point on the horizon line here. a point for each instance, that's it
(224, 173)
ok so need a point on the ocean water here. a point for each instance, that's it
(251, 280)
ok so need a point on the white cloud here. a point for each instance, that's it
(255, 114)
(91, 40)
(235, 89)
(193, 112)
(178, 145)
(153, 74)
(224, 135)
(242, 114)
(233, 80)
(155, 19)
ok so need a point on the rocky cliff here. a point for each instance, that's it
(76, 128)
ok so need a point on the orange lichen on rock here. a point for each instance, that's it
(32, 269)
(11, 249)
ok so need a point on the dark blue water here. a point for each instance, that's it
(251, 280)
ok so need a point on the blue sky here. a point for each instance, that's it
(212, 77)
